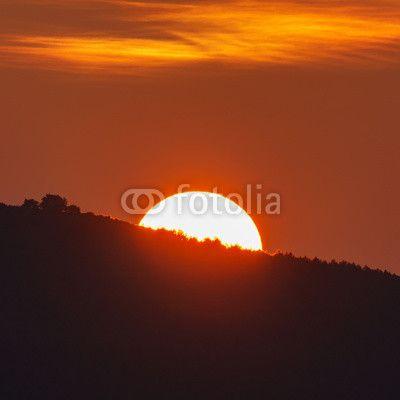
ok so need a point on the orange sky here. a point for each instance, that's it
(302, 97)
(126, 35)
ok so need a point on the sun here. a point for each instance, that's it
(205, 215)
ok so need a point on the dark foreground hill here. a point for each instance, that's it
(93, 308)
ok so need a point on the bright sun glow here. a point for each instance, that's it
(203, 215)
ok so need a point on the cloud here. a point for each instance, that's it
(120, 35)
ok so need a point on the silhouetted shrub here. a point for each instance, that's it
(53, 203)
(73, 209)
(31, 204)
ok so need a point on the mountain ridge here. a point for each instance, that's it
(95, 307)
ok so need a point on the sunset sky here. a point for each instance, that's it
(302, 97)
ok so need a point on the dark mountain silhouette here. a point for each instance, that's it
(95, 308)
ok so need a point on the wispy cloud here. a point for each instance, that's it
(123, 35)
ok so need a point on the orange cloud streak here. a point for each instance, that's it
(245, 32)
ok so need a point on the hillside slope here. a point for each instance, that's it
(96, 308)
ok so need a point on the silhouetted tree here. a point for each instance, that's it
(53, 203)
(31, 204)
(73, 209)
